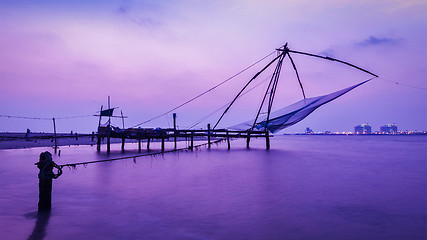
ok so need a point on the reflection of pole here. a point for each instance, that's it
(108, 126)
(54, 133)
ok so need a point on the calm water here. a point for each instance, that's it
(305, 187)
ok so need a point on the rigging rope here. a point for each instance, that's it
(74, 165)
(194, 98)
(403, 84)
(40, 118)
(224, 106)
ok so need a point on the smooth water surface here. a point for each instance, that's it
(305, 187)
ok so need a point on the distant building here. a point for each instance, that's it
(389, 128)
(308, 131)
(362, 129)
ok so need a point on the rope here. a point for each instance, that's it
(402, 84)
(224, 106)
(74, 165)
(194, 98)
(40, 118)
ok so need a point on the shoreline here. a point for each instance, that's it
(18, 140)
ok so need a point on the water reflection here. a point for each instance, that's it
(39, 231)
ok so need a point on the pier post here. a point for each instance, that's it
(228, 141)
(267, 139)
(46, 174)
(98, 143)
(209, 135)
(148, 144)
(54, 134)
(139, 145)
(123, 144)
(108, 139)
(248, 139)
(163, 144)
(77, 137)
(191, 144)
(93, 136)
(174, 129)
(109, 125)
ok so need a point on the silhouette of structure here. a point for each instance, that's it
(388, 129)
(363, 129)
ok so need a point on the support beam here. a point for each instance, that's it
(163, 144)
(54, 134)
(108, 126)
(192, 143)
(98, 143)
(248, 139)
(209, 135)
(174, 129)
(228, 140)
(267, 139)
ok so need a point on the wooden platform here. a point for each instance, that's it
(168, 134)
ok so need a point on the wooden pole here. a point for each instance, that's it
(139, 145)
(191, 144)
(123, 119)
(148, 144)
(174, 129)
(98, 143)
(267, 139)
(163, 144)
(209, 135)
(54, 134)
(123, 122)
(109, 126)
(228, 141)
(248, 139)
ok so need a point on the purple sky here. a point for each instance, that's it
(60, 59)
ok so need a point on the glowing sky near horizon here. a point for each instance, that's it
(63, 58)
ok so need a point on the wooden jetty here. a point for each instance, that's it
(170, 134)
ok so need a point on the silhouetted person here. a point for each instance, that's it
(46, 165)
